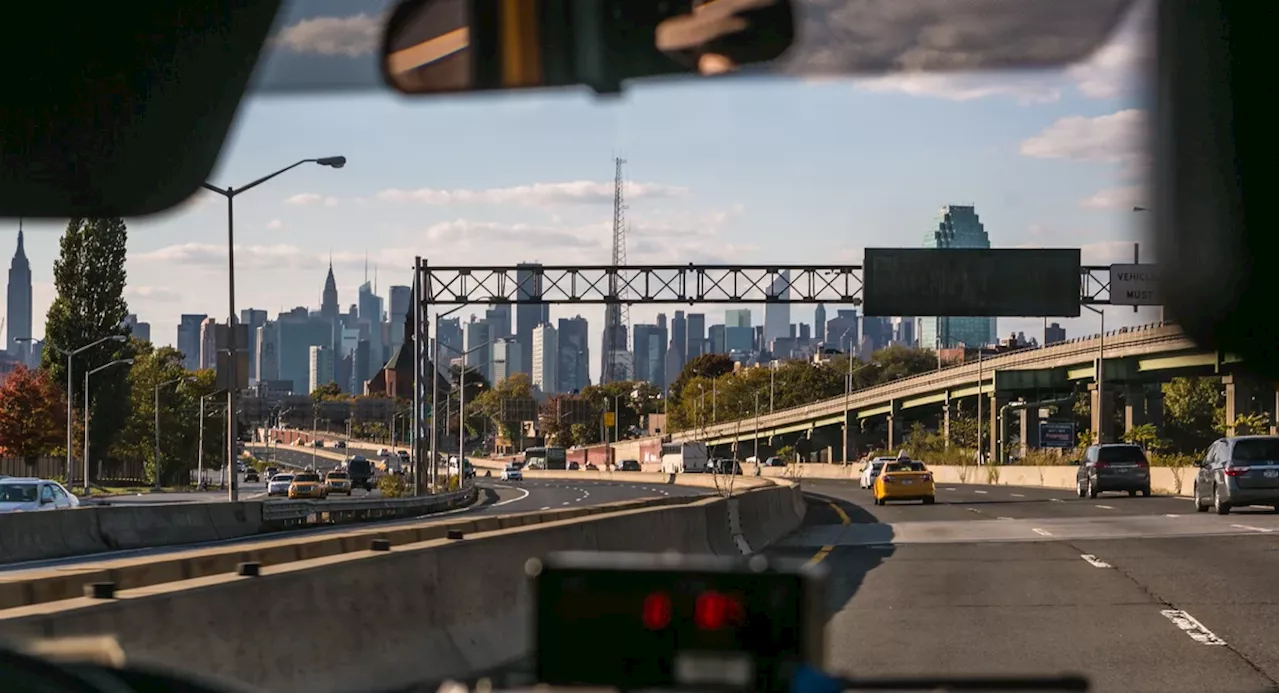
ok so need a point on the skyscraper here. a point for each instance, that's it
(737, 317)
(329, 297)
(399, 301)
(958, 227)
(529, 315)
(209, 343)
(695, 336)
(546, 358)
(574, 366)
(139, 330)
(321, 367)
(18, 319)
(820, 323)
(777, 316)
(252, 319)
(650, 353)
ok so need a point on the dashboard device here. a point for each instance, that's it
(656, 621)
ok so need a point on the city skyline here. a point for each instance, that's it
(834, 165)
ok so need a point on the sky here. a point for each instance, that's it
(740, 170)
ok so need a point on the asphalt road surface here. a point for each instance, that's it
(1138, 594)
(495, 498)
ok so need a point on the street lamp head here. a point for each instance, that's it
(332, 161)
(120, 338)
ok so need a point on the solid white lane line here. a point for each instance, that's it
(1193, 628)
(1095, 561)
(523, 491)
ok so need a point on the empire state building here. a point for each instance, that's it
(19, 295)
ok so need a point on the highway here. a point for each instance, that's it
(1139, 594)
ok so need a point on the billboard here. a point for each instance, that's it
(1058, 434)
(971, 282)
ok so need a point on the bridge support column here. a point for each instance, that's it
(1239, 399)
(1135, 407)
(894, 434)
(1101, 408)
(1155, 406)
(1028, 430)
(946, 421)
(997, 433)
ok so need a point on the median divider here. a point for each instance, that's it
(54, 584)
(423, 610)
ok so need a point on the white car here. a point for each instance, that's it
(512, 473)
(872, 470)
(19, 494)
(279, 484)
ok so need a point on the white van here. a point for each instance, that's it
(684, 458)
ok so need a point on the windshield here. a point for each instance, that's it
(711, 266)
(17, 493)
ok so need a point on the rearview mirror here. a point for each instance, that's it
(449, 46)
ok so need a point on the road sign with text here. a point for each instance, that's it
(1135, 285)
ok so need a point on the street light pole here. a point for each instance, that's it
(462, 399)
(1098, 370)
(103, 367)
(433, 464)
(233, 342)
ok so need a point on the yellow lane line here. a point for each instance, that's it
(826, 550)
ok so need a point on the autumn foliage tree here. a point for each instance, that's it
(33, 414)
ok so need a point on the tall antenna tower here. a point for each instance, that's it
(616, 315)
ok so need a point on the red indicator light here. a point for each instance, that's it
(656, 613)
(714, 611)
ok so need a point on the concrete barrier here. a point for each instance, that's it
(1175, 481)
(422, 611)
(87, 530)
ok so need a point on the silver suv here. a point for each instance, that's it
(1238, 471)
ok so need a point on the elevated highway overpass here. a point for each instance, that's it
(1134, 361)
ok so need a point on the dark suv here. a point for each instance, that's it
(360, 470)
(1113, 467)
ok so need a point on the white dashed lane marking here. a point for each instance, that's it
(983, 493)
(1095, 561)
(1041, 532)
(1104, 507)
(1251, 528)
(1193, 628)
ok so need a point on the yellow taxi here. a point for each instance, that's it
(307, 485)
(338, 481)
(904, 479)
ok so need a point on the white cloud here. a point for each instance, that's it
(535, 195)
(215, 256)
(1116, 198)
(528, 235)
(275, 225)
(351, 36)
(1026, 90)
(311, 199)
(1117, 138)
(151, 293)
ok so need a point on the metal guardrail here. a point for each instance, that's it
(310, 511)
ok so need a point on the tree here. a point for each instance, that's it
(179, 394)
(89, 278)
(1194, 412)
(509, 404)
(703, 366)
(33, 414)
(328, 392)
(897, 361)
